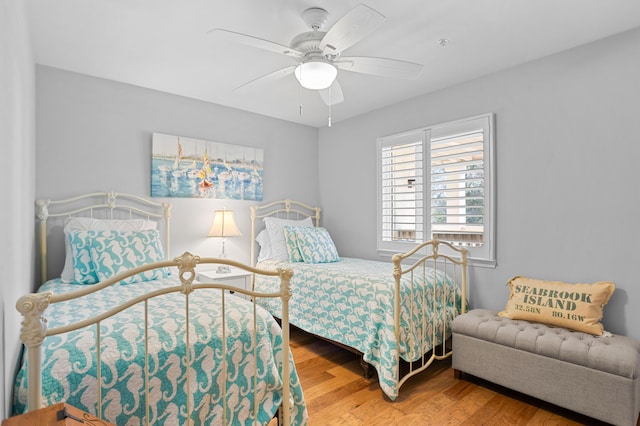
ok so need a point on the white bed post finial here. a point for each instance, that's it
(285, 279)
(43, 209)
(167, 210)
(34, 326)
(32, 333)
(111, 199)
(186, 265)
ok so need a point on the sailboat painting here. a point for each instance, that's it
(194, 168)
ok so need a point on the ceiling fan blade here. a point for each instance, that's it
(358, 23)
(267, 78)
(332, 95)
(383, 67)
(254, 42)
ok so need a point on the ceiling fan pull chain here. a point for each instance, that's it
(300, 99)
(330, 102)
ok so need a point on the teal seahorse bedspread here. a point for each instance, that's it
(351, 302)
(69, 361)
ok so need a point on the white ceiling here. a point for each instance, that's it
(164, 45)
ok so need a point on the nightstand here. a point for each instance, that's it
(58, 414)
(237, 278)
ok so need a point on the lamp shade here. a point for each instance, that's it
(224, 224)
(316, 75)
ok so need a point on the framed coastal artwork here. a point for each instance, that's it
(195, 168)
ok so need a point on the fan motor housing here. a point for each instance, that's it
(308, 42)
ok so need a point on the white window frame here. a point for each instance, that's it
(485, 255)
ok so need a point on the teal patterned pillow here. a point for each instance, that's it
(315, 245)
(292, 244)
(83, 269)
(114, 252)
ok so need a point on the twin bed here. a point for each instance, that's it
(152, 323)
(134, 339)
(396, 315)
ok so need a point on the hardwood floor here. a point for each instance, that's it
(336, 393)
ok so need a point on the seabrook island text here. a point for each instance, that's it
(534, 298)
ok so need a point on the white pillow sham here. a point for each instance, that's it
(91, 224)
(275, 231)
(265, 246)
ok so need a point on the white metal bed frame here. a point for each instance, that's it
(285, 209)
(34, 306)
(437, 254)
(105, 205)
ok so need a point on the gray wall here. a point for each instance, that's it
(17, 144)
(567, 171)
(95, 135)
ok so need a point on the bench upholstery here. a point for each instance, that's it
(595, 376)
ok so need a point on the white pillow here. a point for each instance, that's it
(91, 224)
(265, 246)
(275, 230)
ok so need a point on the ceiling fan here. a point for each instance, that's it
(318, 54)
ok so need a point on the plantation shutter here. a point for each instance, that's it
(438, 182)
(402, 189)
(457, 166)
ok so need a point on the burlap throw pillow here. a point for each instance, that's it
(574, 306)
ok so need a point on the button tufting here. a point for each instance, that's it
(621, 358)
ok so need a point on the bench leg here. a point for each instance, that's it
(457, 374)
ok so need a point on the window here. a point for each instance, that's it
(437, 183)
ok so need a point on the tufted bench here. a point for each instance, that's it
(595, 376)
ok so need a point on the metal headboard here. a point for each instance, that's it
(285, 209)
(103, 205)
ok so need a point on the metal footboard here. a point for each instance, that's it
(442, 261)
(36, 306)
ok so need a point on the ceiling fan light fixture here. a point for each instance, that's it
(316, 75)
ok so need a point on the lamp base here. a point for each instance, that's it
(223, 269)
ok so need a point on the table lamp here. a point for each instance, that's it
(224, 225)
